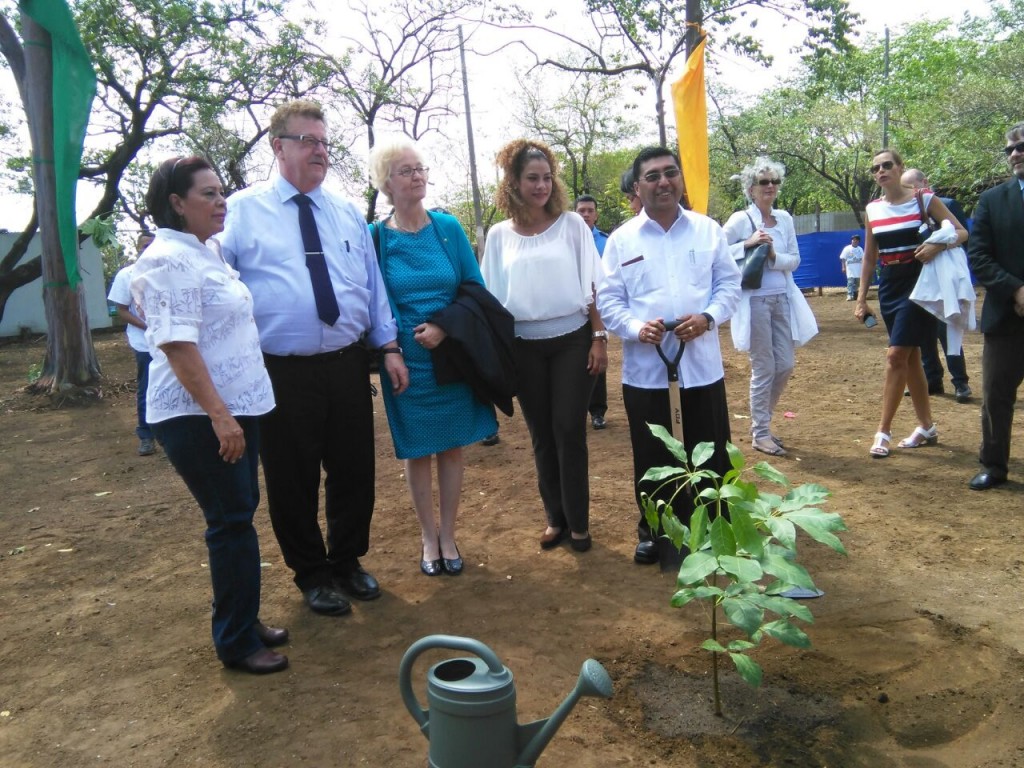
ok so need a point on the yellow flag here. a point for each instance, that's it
(690, 103)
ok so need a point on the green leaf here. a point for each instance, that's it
(698, 528)
(674, 530)
(790, 573)
(783, 530)
(722, 540)
(809, 494)
(768, 472)
(741, 645)
(743, 613)
(702, 453)
(785, 632)
(676, 448)
(682, 597)
(748, 538)
(696, 567)
(714, 646)
(660, 474)
(741, 568)
(784, 606)
(818, 525)
(736, 458)
(749, 669)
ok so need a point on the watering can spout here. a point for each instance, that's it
(593, 681)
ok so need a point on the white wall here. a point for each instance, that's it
(25, 307)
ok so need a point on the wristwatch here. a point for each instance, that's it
(710, 319)
(602, 335)
(391, 351)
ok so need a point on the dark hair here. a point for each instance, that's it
(649, 153)
(626, 183)
(856, 237)
(172, 177)
(512, 159)
(895, 155)
(585, 199)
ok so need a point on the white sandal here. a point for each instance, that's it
(920, 436)
(880, 448)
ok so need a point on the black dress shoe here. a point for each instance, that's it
(263, 662)
(271, 636)
(355, 581)
(431, 567)
(646, 553)
(552, 540)
(581, 545)
(936, 389)
(453, 566)
(598, 422)
(985, 480)
(963, 394)
(326, 600)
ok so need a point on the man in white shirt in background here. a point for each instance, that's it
(321, 311)
(135, 329)
(850, 258)
(667, 264)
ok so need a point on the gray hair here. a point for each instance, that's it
(383, 155)
(1016, 132)
(761, 164)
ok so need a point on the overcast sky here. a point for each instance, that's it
(491, 81)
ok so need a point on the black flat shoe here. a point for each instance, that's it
(452, 567)
(581, 545)
(552, 540)
(263, 662)
(271, 636)
(985, 480)
(646, 553)
(431, 567)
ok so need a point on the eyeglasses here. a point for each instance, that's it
(406, 172)
(655, 176)
(309, 142)
(1018, 147)
(766, 182)
(885, 165)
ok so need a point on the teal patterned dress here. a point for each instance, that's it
(421, 279)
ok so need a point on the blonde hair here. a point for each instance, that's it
(383, 155)
(512, 159)
(298, 108)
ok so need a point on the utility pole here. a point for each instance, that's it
(885, 104)
(478, 216)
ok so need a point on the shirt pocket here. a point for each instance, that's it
(697, 267)
(637, 276)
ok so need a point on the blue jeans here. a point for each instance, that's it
(228, 494)
(142, 360)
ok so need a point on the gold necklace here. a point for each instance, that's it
(400, 228)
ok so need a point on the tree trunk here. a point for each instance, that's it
(70, 368)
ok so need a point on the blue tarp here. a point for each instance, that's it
(819, 258)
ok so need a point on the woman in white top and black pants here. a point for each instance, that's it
(542, 265)
(207, 387)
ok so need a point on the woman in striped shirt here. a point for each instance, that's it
(894, 221)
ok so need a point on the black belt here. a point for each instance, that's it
(319, 356)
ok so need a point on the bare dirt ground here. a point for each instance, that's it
(106, 659)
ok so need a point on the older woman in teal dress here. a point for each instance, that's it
(424, 256)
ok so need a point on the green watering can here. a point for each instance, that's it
(471, 721)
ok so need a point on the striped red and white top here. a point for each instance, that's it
(895, 228)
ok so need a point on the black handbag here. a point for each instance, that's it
(753, 262)
(753, 265)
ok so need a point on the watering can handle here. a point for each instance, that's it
(453, 642)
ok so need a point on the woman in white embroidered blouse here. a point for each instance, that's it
(542, 265)
(207, 388)
(774, 319)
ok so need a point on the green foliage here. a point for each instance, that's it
(742, 548)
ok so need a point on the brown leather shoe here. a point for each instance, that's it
(263, 662)
(271, 636)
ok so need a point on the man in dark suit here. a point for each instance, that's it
(996, 254)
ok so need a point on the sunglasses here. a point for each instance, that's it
(766, 182)
(655, 176)
(1018, 147)
(885, 165)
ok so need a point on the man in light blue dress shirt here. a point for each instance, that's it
(320, 371)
